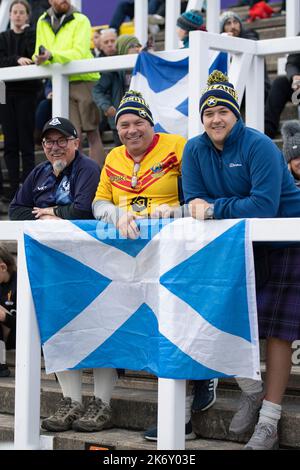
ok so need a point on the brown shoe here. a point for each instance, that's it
(96, 417)
(67, 412)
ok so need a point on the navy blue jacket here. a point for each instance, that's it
(72, 191)
(248, 178)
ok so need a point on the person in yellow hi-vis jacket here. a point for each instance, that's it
(63, 35)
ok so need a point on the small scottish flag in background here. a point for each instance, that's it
(164, 85)
(178, 302)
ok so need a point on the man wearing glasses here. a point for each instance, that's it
(64, 186)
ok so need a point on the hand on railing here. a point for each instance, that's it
(24, 61)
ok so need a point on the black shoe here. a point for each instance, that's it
(4, 370)
(151, 434)
(204, 394)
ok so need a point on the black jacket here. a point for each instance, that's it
(12, 47)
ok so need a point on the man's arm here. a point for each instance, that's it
(265, 167)
(102, 92)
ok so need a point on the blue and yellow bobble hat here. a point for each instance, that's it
(134, 103)
(219, 92)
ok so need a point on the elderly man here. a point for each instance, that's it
(142, 179)
(63, 186)
(232, 171)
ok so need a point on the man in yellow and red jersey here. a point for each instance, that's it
(141, 178)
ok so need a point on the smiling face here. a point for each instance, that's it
(135, 133)
(60, 157)
(218, 122)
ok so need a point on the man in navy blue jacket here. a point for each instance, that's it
(232, 171)
(64, 186)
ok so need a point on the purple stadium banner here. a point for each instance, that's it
(100, 11)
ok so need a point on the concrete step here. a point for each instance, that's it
(136, 409)
(118, 439)
(272, 33)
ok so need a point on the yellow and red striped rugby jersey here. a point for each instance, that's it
(158, 176)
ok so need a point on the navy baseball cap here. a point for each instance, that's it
(62, 125)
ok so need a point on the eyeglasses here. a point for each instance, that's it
(134, 178)
(62, 142)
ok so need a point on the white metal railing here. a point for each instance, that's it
(171, 393)
(247, 52)
(172, 12)
(246, 72)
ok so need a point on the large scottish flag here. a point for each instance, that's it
(164, 85)
(178, 302)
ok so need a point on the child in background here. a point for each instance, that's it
(8, 305)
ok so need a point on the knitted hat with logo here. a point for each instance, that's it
(134, 103)
(219, 92)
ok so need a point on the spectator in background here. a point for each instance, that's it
(291, 147)
(43, 111)
(104, 42)
(8, 306)
(231, 24)
(191, 20)
(17, 115)
(281, 92)
(65, 35)
(259, 186)
(2, 197)
(111, 86)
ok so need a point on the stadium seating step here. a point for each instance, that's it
(135, 409)
(119, 439)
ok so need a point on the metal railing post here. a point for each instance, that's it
(141, 20)
(171, 414)
(28, 362)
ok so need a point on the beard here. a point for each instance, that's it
(58, 166)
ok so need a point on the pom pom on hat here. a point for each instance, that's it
(291, 140)
(191, 20)
(219, 92)
(225, 16)
(134, 103)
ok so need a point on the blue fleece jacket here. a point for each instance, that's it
(248, 178)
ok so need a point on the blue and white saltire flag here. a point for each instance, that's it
(178, 302)
(164, 85)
